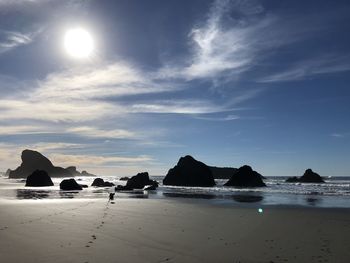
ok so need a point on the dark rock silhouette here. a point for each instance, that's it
(70, 184)
(140, 180)
(73, 171)
(84, 185)
(33, 160)
(246, 177)
(7, 173)
(99, 182)
(85, 173)
(189, 172)
(311, 177)
(124, 178)
(39, 178)
(308, 177)
(293, 179)
(222, 172)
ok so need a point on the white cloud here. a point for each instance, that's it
(82, 131)
(225, 118)
(222, 47)
(22, 129)
(101, 133)
(180, 107)
(98, 81)
(93, 160)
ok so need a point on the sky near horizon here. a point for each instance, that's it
(230, 82)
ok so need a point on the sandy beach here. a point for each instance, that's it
(136, 230)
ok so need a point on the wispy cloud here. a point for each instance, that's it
(225, 118)
(81, 131)
(94, 132)
(13, 39)
(325, 64)
(23, 129)
(222, 45)
(99, 81)
(93, 160)
(179, 107)
(340, 135)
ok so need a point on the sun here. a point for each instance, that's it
(78, 43)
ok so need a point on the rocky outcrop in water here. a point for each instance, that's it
(124, 178)
(99, 182)
(245, 176)
(189, 172)
(293, 179)
(308, 177)
(139, 181)
(39, 178)
(70, 184)
(73, 171)
(33, 160)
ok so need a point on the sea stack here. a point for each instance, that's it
(70, 184)
(309, 176)
(141, 180)
(245, 176)
(39, 178)
(189, 172)
(99, 182)
(33, 160)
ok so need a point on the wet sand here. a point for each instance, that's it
(136, 230)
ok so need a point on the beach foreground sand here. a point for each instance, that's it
(135, 230)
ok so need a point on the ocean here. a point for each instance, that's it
(335, 193)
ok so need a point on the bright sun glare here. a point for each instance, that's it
(78, 43)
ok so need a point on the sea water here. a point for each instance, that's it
(334, 193)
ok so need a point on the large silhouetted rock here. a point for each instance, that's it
(39, 178)
(189, 172)
(140, 180)
(33, 160)
(308, 177)
(99, 182)
(246, 177)
(311, 177)
(70, 184)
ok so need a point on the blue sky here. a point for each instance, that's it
(234, 82)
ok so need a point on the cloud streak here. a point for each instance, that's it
(11, 39)
(325, 64)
